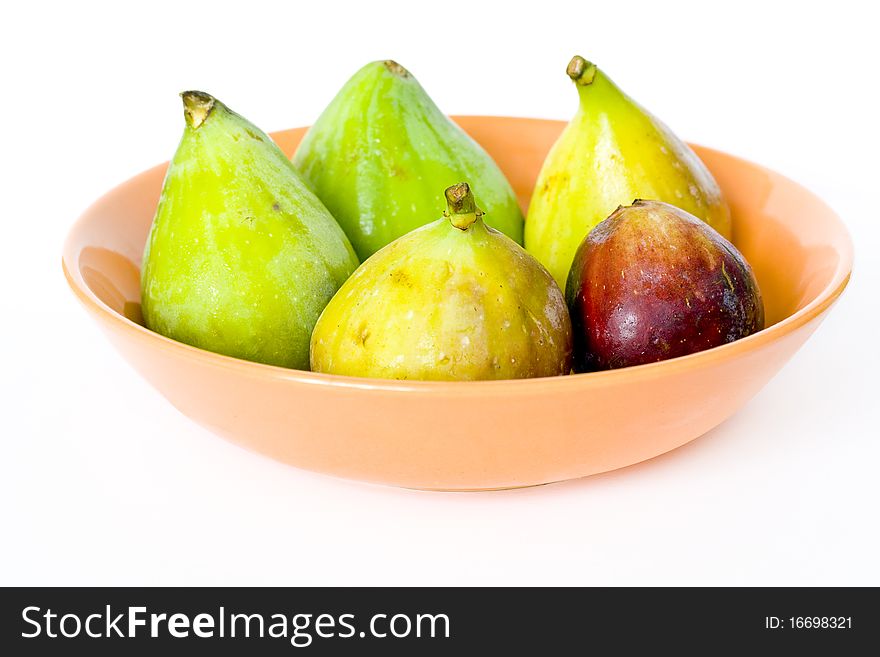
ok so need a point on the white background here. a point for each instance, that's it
(103, 482)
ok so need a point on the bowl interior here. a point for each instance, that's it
(795, 243)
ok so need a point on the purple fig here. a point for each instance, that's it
(653, 282)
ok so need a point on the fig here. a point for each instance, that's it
(381, 153)
(241, 257)
(452, 300)
(653, 282)
(611, 152)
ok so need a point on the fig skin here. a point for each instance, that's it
(381, 154)
(612, 151)
(453, 300)
(653, 282)
(241, 257)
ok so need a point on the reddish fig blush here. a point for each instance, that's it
(653, 282)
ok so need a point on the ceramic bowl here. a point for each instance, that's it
(477, 435)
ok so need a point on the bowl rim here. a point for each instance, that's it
(816, 307)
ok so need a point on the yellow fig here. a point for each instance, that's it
(452, 300)
(612, 151)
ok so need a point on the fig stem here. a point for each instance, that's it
(462, 210)
(396, 68)
(581, 71)
(197, 105)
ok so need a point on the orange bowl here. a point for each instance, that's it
(486, 434)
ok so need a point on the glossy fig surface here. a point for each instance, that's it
(611, 152)
(381, 153)
(241, 257)
(452, 300)
(653, 282)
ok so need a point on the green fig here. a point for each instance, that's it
(242, 257)
(381, 152)
(452, 300)
(611, 152)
